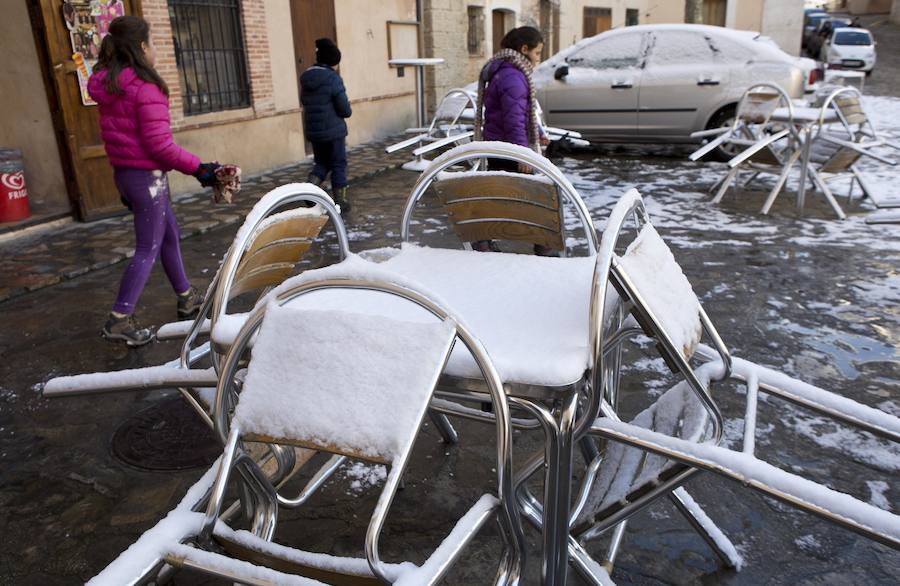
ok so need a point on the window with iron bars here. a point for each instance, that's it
(209, 52)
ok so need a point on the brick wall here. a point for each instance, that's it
(256, 44)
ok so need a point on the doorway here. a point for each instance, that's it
(310, 20)
(59, 34)
(502, 21)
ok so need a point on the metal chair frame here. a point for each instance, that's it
(266, 513)
(855, 124)
(754, 131)
(447, 125)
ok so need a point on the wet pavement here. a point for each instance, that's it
(45, 257)
(815, 297)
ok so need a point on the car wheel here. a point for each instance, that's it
(724, 117)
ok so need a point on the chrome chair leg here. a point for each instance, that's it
(714, 537)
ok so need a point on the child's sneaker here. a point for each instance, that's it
(189, 303)
(125, 329)
(342, 199)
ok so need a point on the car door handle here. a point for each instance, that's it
(621, 85)
(708, 82)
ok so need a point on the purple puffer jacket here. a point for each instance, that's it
(134, 125)
(505, 104)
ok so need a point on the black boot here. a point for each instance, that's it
(189, 303)
(342, 199)
(125, 329)
(314, 179)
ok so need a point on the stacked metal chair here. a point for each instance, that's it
(366, 402)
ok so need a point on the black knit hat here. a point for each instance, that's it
(327, 52)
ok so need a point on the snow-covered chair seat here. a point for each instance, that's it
(353, 383)
(627, 473)
(743, 466)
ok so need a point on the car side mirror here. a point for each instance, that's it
(561, 72)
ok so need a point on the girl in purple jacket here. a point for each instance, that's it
(134, 124)
(506, 95)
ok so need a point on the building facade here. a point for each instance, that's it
(232, 67)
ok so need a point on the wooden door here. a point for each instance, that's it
(311, 20)
(596, 20)
(90, 177)
(714, 12)
(498, 28)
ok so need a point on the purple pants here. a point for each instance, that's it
(156, 234)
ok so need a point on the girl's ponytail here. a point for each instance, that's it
(121, 48)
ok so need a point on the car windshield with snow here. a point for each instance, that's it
(660, 83)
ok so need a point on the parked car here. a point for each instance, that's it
(824, 29)
(660, 83)
(850, 48)
(810, 23)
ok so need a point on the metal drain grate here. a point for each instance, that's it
(166, 436)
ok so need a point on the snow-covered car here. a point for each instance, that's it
(850, 48)
(660, 83)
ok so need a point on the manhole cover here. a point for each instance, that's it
(166, 436)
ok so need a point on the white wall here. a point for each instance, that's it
(782, 21)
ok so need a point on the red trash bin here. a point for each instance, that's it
(13, 194)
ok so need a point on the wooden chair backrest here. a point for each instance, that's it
(757, 106)
(279, 244)
(830, 157)
(502, 206)
(850, 108)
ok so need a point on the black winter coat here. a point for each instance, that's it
(325, 104)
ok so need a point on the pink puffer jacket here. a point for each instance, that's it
(134, 125)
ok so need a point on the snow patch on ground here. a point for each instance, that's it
(361, 476)
(878, 489)
(808, 542)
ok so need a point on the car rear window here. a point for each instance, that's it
(852, 38)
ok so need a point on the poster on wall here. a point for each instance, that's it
(88, 22)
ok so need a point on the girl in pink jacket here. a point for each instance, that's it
(134, 124)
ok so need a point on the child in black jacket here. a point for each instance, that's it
(325, 106)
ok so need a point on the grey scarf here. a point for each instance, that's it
(524, 65)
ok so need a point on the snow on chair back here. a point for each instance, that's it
(658, 279)
(849, 107)
(347, 383)
(758, 104)
(452, 108)
(497, 205)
